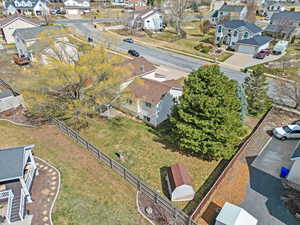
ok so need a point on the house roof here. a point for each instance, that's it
(235, 215)
(12, 18)
(286, 15)
(6, 93)
(232, 8)
(11, 163)
(257, 40)
(234, 24)
(178, 176)
(150, 90)
(23, 4)
(32, 33)
(279, 28)
(138, 66)
(296, 154)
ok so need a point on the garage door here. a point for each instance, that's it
(247, 49)
(73, 12)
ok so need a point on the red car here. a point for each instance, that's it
(267, 51)
(263, 53)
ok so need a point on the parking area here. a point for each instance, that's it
(243, 60)
(265, 188)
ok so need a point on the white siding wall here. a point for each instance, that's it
(183, 193)
(153, 22)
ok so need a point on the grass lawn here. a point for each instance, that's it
(145, 155)
(91, 193)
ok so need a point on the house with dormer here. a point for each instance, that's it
(229, 12)
(77, 7)
(26, 7)
(17, 172)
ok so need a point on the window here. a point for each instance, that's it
(218, 38)
(233, 43)
(221, 13)
(147, 104)
(246, 35)
(219, 29)
(129, 101)
(235, 33)
(147, 118)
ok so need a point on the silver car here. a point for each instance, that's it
(287, 132)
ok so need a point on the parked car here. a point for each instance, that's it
(267, 51)
(90, 39)
(280, 47)
(287, 132)
(128, 40)
(260, 55)
(133, 52)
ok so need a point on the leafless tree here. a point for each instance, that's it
(289, 91)
(251, 11)
(177, 8)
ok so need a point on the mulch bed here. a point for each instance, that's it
(238, 176)
(159, 215)
(16, 115)
(44, 189)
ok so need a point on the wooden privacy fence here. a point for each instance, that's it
(179, 216)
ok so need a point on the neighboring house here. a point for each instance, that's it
(229, 12)
(231, 32)
(147, 20)
(29, 45)
(284, 24)
(179, 183)
(17, 172)
(130, 4)
(271, 7)
(234, 215)
(26, 7)
(253, 45)
(9, 99)
(152, 100)
(77, 7)
(13, 22)
(294, 174)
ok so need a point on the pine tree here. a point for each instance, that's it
(256, 92)
(207, 119)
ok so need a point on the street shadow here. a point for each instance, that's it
(164, 184)
(272, 189)
(211, 213)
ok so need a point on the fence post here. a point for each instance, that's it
(98, 153)
(138, 185)
(155, 198)
(175, 215)
(111, 163)
(124, 173)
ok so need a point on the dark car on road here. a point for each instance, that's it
(133, 52)
(128, 40)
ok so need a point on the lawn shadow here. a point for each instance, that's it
(164, 184)
(205, 187)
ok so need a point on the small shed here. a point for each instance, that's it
(294, 174)
(179, 183)
(234, 215)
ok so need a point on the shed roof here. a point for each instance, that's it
(286, 15)
(232, 8)
(235, 215)
(178, 176)
(6, 93)
(257, 40)
(11, 163)
(234, 24)
(33, 32)
(151, 90)
(12, 18)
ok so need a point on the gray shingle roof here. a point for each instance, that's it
(6, 93)
(29, 4)
(232, 8)
(257, 40)
(297, 152)
(286, 15)
(32, 33)
(279, 28)
(233, 24)
(11, 163)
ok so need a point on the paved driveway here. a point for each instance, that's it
(242, 60)
(265, 188)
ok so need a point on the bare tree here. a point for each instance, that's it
(251, 11)
(177, 8)
(289, 91)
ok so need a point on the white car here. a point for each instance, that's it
(285, 132)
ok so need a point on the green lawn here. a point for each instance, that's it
(145, 154)
(91, 194)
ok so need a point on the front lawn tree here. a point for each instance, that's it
(256, 87)
(207, 119)
(177, 8)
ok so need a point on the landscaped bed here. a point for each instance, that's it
(90, 193)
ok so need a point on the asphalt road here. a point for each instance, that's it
(83, 21)
(180, 62)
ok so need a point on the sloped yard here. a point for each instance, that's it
(90, 193)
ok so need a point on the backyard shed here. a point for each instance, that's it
(294, 174)
(179, 183)
(234, 215)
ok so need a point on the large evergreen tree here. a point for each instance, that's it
(207, 119)
(256, 92)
